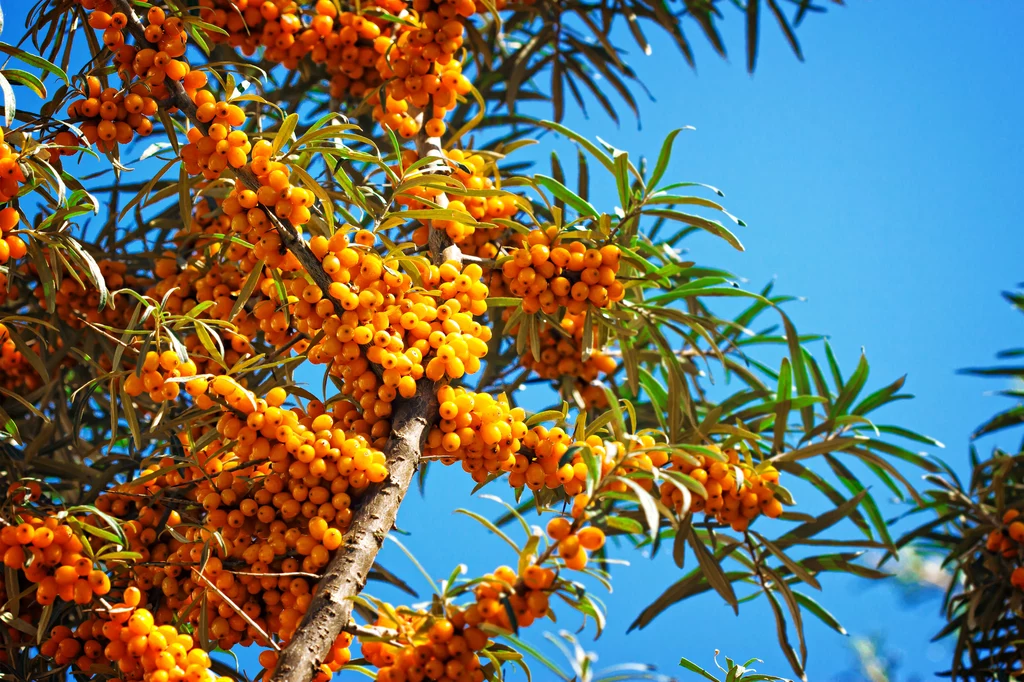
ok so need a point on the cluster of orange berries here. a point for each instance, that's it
(198, 282)
(527, 597)
(274, 25)
(346, 45)
(12, 177)
(313, 442)
(206, 153)
(428, 648)
(8, 290)
(342, 41)
(421, 646)
(16, 371)
(109, 116)
(481, 432)
(728, 501)
(549, 273)
(476, 240)
(21, 492)
(113, 117)
(205, 232)
(561, 355)
(541, 465)
(387, 325)
(51, 555)
(161, 376)
(146, 534)
(19, 632)
(278, 502)
(11, 245)
(78, 301)
(1007, 541)
(276, 191)
(247, 212)
(573, 543)
(218, 279)
(151, 65)
(127, 637)
(220, 147)
(420, 68)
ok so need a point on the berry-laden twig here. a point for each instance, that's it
(180, 100)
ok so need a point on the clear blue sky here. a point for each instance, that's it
(880, 179)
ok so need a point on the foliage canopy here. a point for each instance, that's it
(228, 195)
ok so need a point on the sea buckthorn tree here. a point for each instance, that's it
(976, 526)
(207, 203)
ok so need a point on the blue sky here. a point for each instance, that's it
(880, 181)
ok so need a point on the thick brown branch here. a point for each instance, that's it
(345, 577)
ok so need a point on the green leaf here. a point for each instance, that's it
(10, 103)
(753, 9)
(560, 191)
(713, 572)
(27, 79)
(284, 133)
(35, 60)
(417, 564)
(623, 523)
(823, 521)
(247, 288)
(663, 157)
(523, 646)
(694, 668)
(819, 611)
(486, 523)
(797, 570)
(713, 226)
(849, 392)
(594, 150)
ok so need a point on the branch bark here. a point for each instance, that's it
(331, 609)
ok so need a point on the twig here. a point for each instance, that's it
(234, 607)
(286, 574)
(370, 631)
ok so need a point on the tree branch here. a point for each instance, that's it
(330, 613)
(331, 609)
